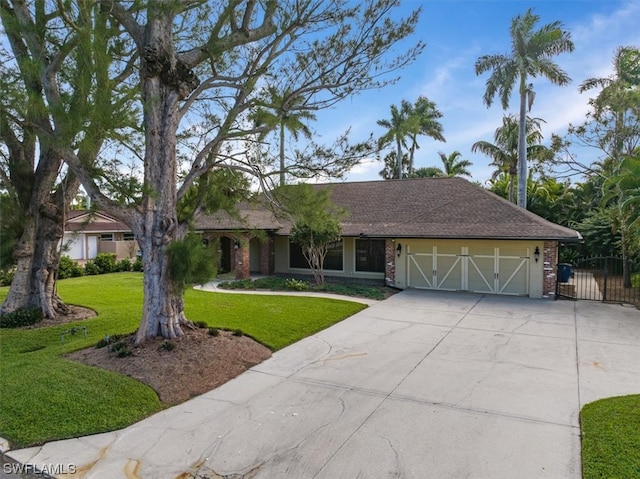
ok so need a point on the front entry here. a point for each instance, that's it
(225, 255)
(254, 255)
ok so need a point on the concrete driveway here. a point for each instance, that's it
(422, 385)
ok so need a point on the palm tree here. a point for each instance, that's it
(453, 166)
(530, 56)
(390, 170)
(618, 94)
(428, 172)
(423, 120)
(287, 113)
(407, 122)
(504, 150)
(397, 130)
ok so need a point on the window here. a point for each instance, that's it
(106, 237)
(333, 261)
(370, 255)
(128, 237)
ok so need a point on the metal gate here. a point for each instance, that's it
(606, 279)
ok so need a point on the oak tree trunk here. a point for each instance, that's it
(156, 222)
(38, 250)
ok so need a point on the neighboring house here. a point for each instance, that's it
(430, 233)
(88, 233)
(427, 233)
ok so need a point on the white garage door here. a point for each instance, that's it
(478, 268)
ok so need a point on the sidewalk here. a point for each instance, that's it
(213, 286)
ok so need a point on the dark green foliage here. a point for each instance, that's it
(597, 230)
(137, 265)
(275, 283)
(124, 265)
(214, 332)
(200, 324)
(191, 262)
(167, 345)
(69, 268)
(105, 262)
(121, 349)
(349, 289)
(237, 332)
(218, 190)
(21, 317)
(6, 276)
(91, 268)
(296, 284)
(10, 230)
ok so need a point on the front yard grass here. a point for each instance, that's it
(611, 438)
(45, 397)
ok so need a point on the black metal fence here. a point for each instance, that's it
(604, 278)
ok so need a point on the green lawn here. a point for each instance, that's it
(45, 397)
(611, 438)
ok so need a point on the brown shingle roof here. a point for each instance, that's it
(416, 208)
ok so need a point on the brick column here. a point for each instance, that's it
(241, 257)
(550, 265)
(390, 262)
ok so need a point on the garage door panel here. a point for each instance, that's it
(449, 271)
(481, 276)
(514, 275)
(420, 270)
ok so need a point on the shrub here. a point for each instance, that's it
(167, 345)
(237, 332)
(6, 276)
(69, 268)
(124, 265)
(200, 324)
(105, 262)
(107, 340)
(137, 264)
(296, 284)
(635, 280)
(121, 349)
(91, 268)
(214, 332)
(21, 317)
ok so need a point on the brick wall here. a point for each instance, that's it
(241, 257)
(550, 264)
(390, 262)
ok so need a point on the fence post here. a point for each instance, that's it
(606, 276)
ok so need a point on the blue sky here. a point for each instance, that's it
(457, 32)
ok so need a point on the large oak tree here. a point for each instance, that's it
(203, 68)
(56, 89)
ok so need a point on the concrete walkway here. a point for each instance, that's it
(422, 385)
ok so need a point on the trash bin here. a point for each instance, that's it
(564, 272)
